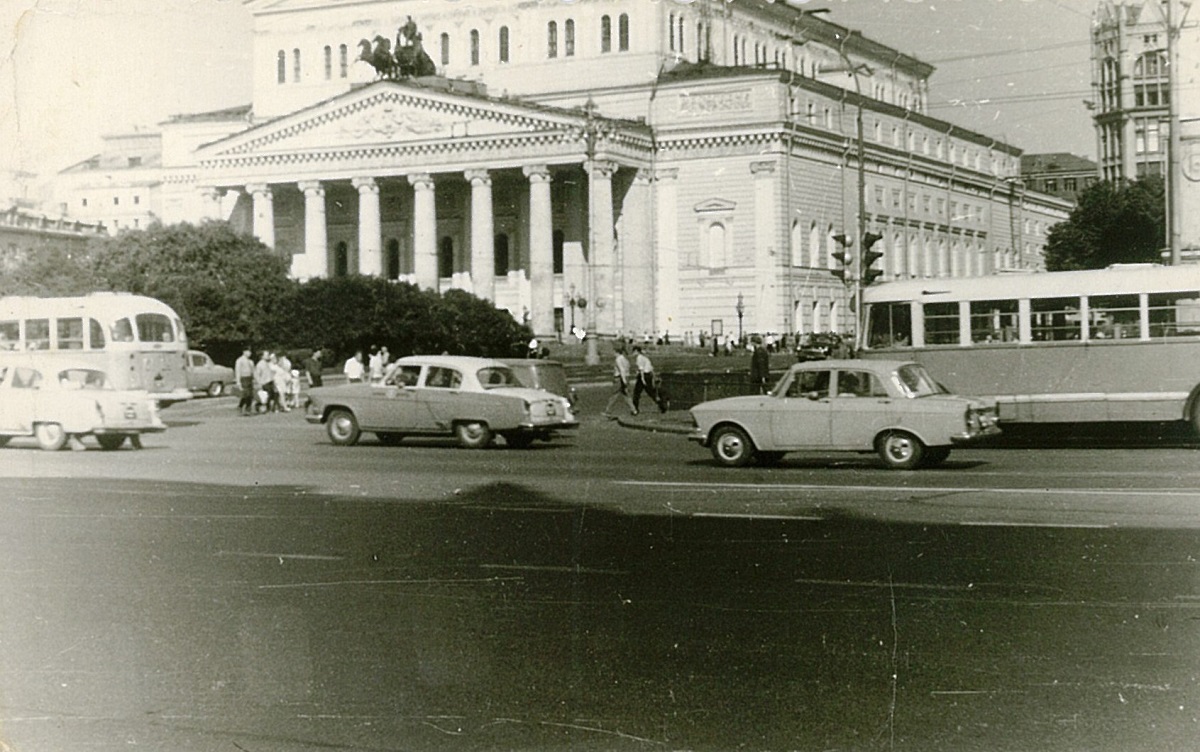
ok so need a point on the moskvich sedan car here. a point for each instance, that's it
(893, 408)
(203, 375)
(471, 399)
(56, 402)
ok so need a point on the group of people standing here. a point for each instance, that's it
(269, 385)
(374, 369)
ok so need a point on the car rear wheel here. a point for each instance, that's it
(900, 450)
(731, 447)
(935, 456)
(110, 441)
(473, 434)
(342, 428)
(216, 389)
(50, 436)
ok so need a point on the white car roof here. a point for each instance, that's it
(462, 362)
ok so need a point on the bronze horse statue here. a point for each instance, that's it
(408, 60)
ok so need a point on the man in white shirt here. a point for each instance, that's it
(645, 380)
(354, 368)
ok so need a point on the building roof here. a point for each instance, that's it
(1056, 162)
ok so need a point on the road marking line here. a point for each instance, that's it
(1082, 525)
(265, 555)
(1181, 492)
(749, 515)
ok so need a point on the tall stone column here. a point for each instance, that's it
(637, 258)
(600, 255)
(666, 274)
(766, 242)
(315, 262)
(264, 213)
(370, 229)
(483, 241)
(425, 258)
(541, 251)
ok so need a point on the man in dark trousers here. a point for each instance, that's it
(760, 364)
(312, 367)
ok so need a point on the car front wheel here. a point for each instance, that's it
(900, 450)
(216, 389)
(473, 434)
(343, 428)
(50, 436)
(731, 447)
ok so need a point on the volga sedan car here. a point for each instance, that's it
(894, 408)
(55, 401)
(471, 399)
(203, 375)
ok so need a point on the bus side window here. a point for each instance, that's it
(122, 331)
(70, 334)
(10, 335)
(1175, 314)
(941, 323)
(96, 335)
(37, 334)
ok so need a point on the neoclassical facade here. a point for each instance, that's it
(633, 167)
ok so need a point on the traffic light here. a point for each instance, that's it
(869, 257)
(842, 256)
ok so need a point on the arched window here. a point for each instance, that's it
(716, 247)
(818, 324)
(474, 47)
(393, 258)
(552, 39)
(500, 255)
(796, 241)
(343, 61)
(281, 67)
(671, 30)
(814, 246)
(569, 38)
(446, 257)
(328, 62)
(341, 259)
(296, 65)
(700, 42)
(504, 44)
(605, 34)
(682, 46)
(623, 32)
(445, 44)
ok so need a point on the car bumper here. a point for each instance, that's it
(698, 436)
(547, 427)
(967, 438)
(165, 399)
(129, 429)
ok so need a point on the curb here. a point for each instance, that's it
(628, 421)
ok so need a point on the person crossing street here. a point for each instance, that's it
(645, 381)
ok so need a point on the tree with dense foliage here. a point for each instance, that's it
(225, 285)
(49, 271)
(1113, 223)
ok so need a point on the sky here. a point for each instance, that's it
(73, 70)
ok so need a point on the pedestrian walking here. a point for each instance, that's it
(312, 368)
(354, 368)
(645, 381)
(760, 364)
(620, 384)
(243, 371)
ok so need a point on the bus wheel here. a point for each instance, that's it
(50, 436)
(216, 389)
(900, 450)
(110, 441)
(343, 428)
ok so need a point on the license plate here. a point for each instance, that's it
(551, 409)
(130, 411)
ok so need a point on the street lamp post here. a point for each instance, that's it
(860, 149)
(741, 311)
(592, 130)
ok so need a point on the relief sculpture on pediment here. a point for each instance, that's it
(390, 122)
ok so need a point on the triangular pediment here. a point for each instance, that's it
(715, 206)
(388, 113)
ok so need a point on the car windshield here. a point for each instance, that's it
(83, 378)
(915, 381)
(493, 377)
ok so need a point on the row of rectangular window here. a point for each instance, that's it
(116, 200)
(71, 333)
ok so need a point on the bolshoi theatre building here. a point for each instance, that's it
(630, 166)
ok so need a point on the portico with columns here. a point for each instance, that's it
(447, 190)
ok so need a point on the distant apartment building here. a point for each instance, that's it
(119, 187)
(1059, 174)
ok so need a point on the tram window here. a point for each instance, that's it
(889, 325)
(1175, 314)
(1054, 319)
(10, 335)
(154, 327)
(941, 323)
(1114, 317)
(994, 321)
(37, 334)
(70, 334)
(122, 331)
(95, 335)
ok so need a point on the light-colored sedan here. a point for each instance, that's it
(56, 401)
(893, 408)
(471, 399)
(203, 375)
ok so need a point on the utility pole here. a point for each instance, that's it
(1174, 183)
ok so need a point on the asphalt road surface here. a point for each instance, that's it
(241, 584)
